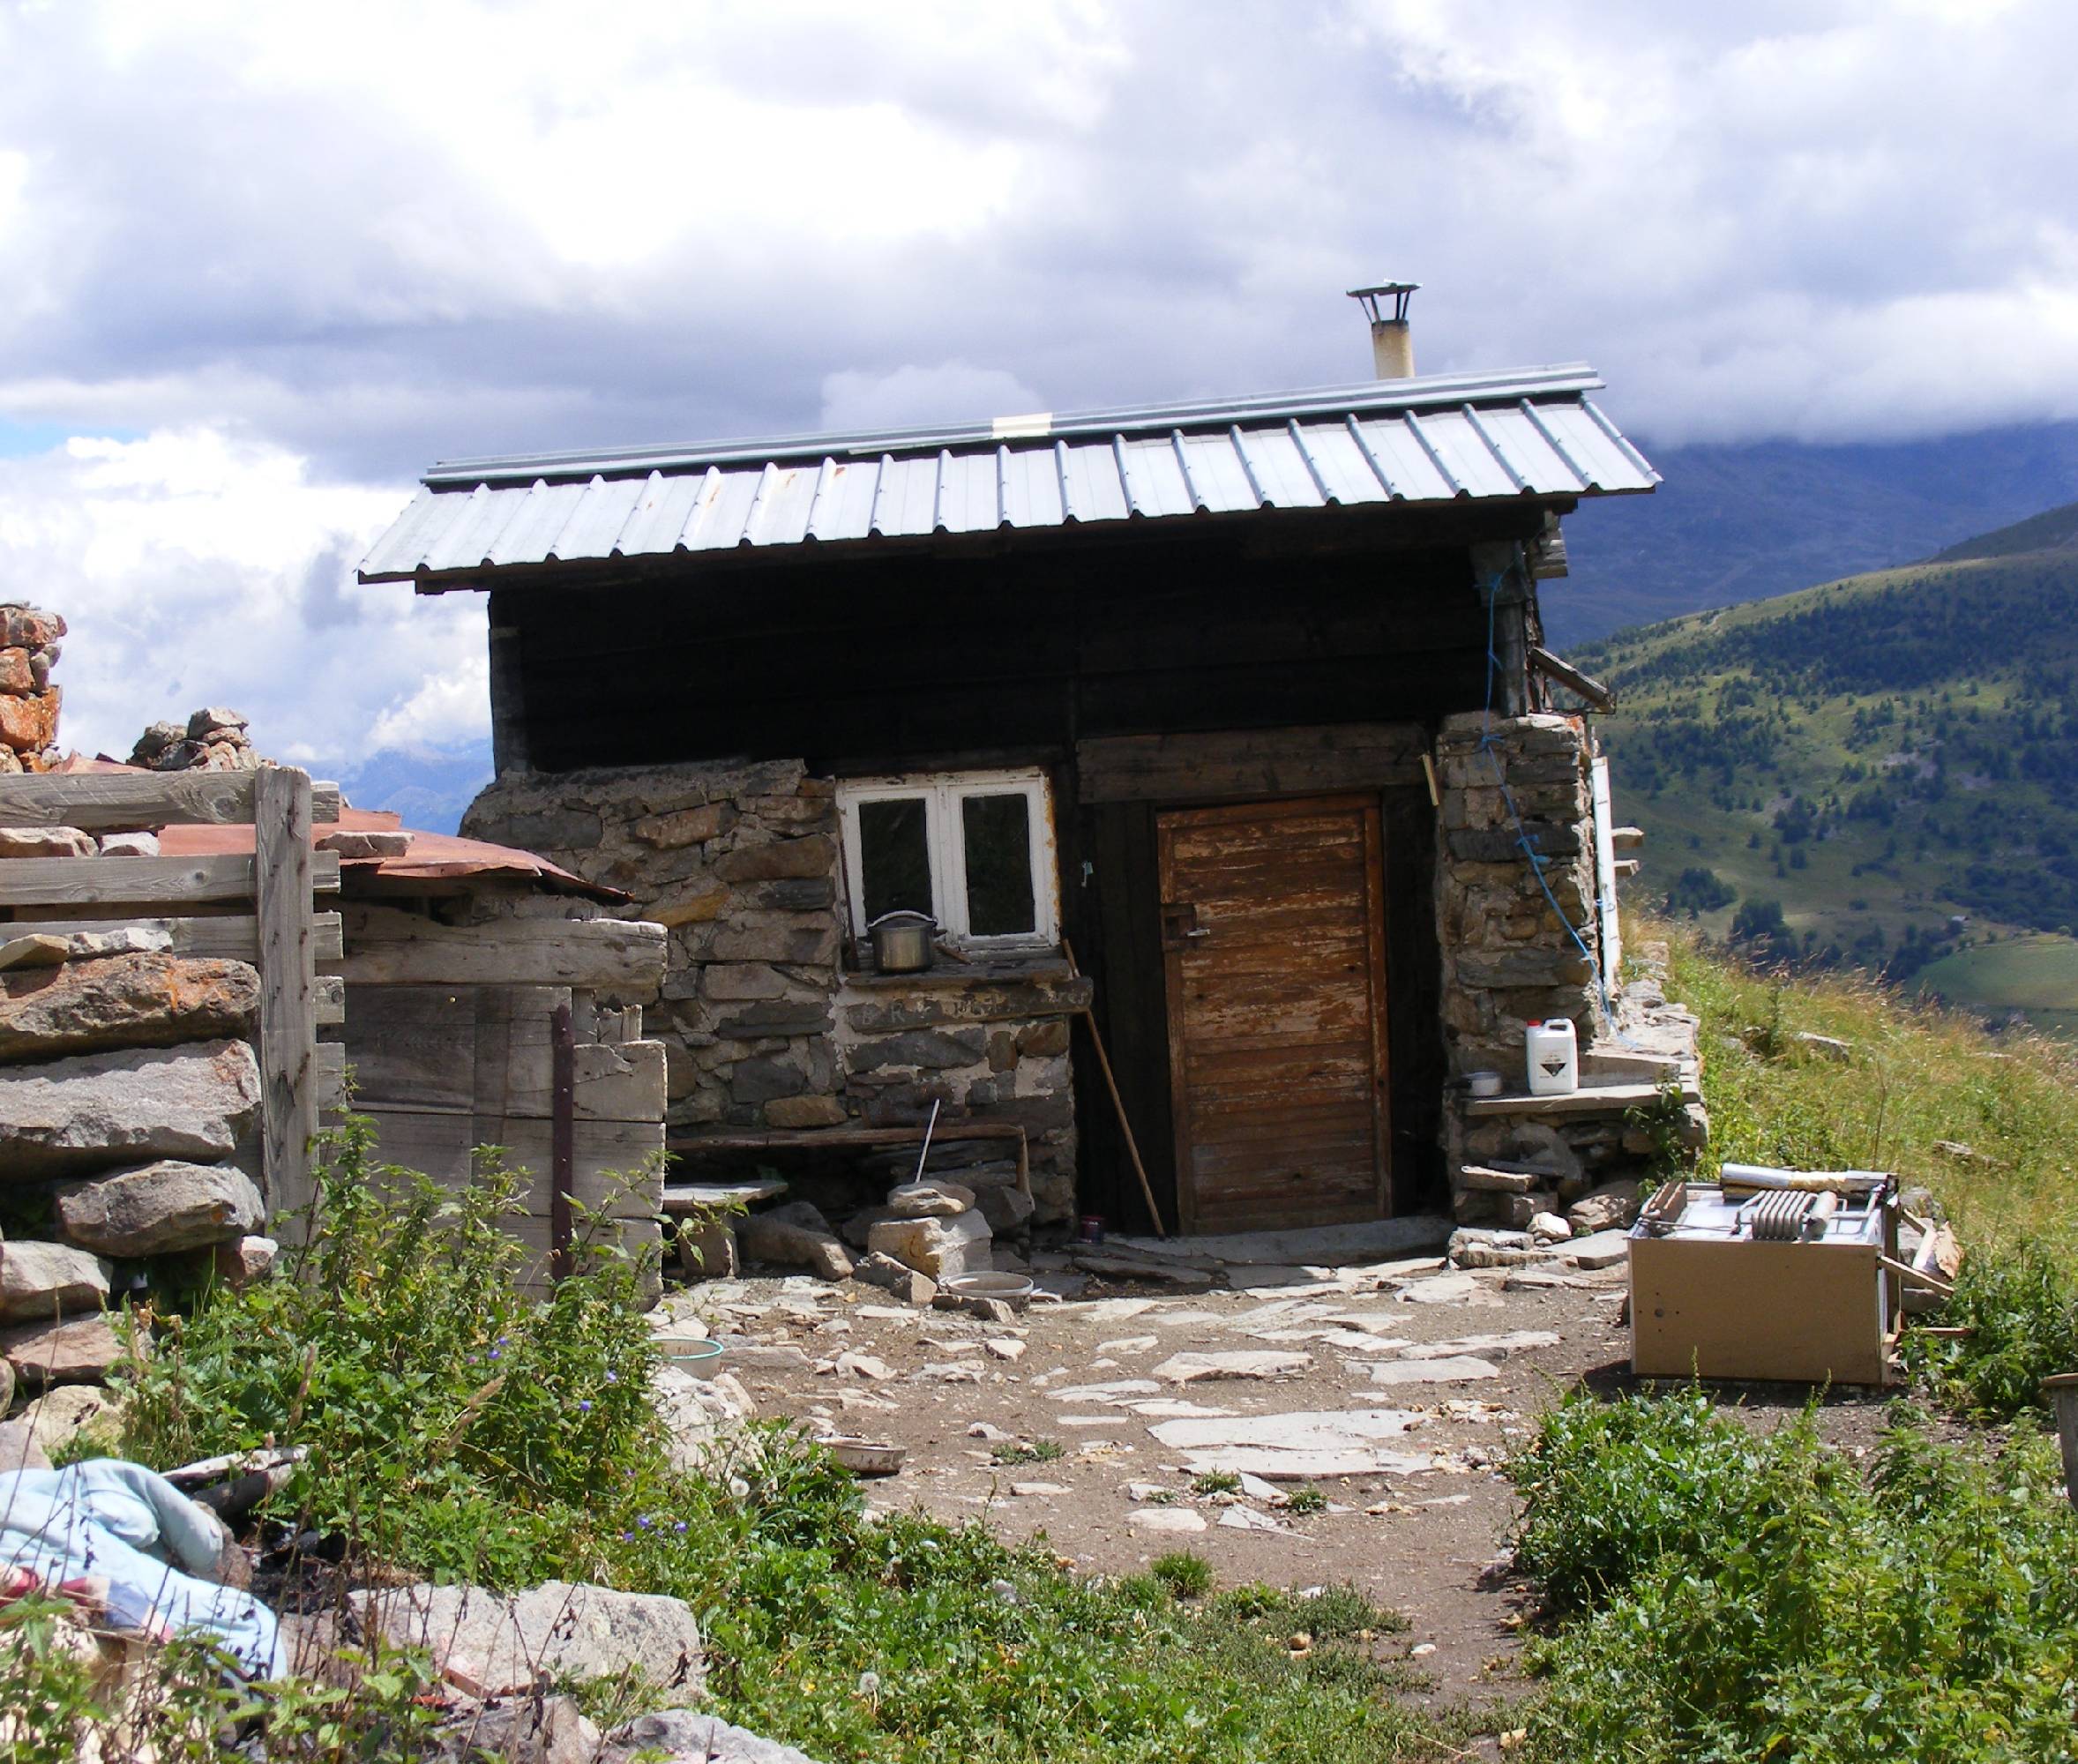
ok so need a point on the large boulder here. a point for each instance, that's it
(686, 1737)
(75, 1350)
(938, 1247)
(795, 1236)
(77, 1420)
(40, 1281)
(159, 1208)
(493, 1644)
(147, 1000)
(71, 1116)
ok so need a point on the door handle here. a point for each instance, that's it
(1197, 932)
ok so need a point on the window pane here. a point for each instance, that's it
(895, 857)
(998, 832)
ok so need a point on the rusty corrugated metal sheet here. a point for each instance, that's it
(1439, 439)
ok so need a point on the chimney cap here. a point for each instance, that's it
(1395, 293)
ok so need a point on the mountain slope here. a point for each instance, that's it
(1736, 523)
(1877, 757)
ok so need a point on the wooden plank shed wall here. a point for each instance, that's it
(961, 656)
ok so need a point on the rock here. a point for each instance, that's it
(1448, 1368)
(78, 1350)
(1306, 1445)
(913, 1288)
(864, 1366)
(40, 1281)
(1824, 1047)
(1135, 1268)
(154, 1000)
(1005, 1348)
(687, 826)
(938, 1247)
(46, 841)
(1605, 1249)
(206, 723)
(1549, 1228)
(857, 1228)
(138, 843)
(804, 1111)
(1240, 1364)
(1247, 1519)
(795, 1236)
(1166, 1518)
(520, 1730)
(684, 1736)
(1039, 1490)
(934, 1199)
(707, 1251)
(773, 1356)
(69, 1417)
(99, 1109)
(34, 949)
(494, 1645)
(1610, 1207)
(1483, 1180)
(19, 1447)
(699, 1414)
(1007, 1209)
(159, 1208)
(242, 1261)
(362, 842)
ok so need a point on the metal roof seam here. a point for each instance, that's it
(1507, 465)
(1183, 464)
(1616, 436)
(1125, 484)
(1377, 466)
(703, 503)
(749, 534)
(1003, 487)
(1255, 484)
(824, 473)
(1450, 479)
(1061, 466)
(938, 491)
(874, 524)
(1564, 453)
(1312, 466)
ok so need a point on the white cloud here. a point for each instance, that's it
(910, 396)
(194, 568)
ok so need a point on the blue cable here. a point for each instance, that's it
(1536, 859)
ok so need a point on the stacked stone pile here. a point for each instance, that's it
(213, 740)
(926, 1231)
(29, 646)
(129, 1102)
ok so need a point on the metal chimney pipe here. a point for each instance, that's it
(1392, 339)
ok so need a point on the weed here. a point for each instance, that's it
(2020, 1307)
(1216, 1481)
(1720, 1594)
(1185, 1574)
(1306, 1500)
(1027, 1451)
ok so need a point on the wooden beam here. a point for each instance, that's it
(101, 802)
(1583, 686)
(233, 937)
(1242, 765)
(608, 1158)
(328, 998)
(282, 864)
(143, 881)
(387, 947)
(329, 1084)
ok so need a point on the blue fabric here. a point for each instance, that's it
(149, 1541)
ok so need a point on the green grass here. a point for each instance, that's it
(1716, 1593)
(2036, 975)
(1917, 1080)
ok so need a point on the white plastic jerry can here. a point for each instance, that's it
(1553, 1057)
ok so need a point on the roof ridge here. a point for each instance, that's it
(1347, 398)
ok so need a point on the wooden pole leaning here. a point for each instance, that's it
(1104, 1060)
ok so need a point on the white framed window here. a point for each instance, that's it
(974, 849)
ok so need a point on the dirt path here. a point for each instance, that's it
(1417, 1518)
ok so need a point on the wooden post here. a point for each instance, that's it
(287, 972)
(562, 1138)
(2062, 1391)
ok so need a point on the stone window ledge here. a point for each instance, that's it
(958, 977)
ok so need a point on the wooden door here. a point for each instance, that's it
(1273, 937)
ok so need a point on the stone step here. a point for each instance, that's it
(1601, 1099)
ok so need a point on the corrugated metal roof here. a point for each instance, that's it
(1438, 439)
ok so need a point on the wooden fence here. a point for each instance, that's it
(256, 909)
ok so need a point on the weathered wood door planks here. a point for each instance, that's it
(1273, 937)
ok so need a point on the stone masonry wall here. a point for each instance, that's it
(1507, 960)
(29, 647)
(761, 1027)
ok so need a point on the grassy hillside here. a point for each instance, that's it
(1889, 759)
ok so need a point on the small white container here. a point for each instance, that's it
(1552, 1054)
(1484, 1083)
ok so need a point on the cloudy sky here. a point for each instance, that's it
(260, 263)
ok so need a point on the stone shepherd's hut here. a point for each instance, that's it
(1183, 713)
